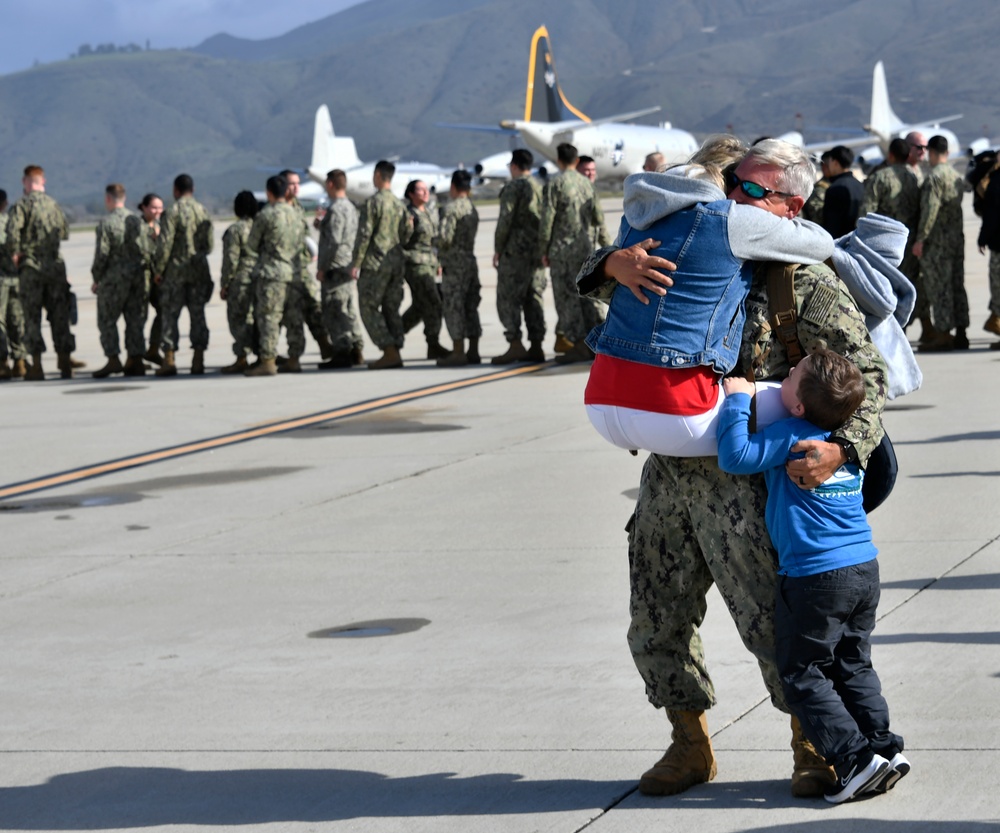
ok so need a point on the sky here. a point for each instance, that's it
(52, 30)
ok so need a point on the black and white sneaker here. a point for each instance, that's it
(858, 776)
(898, 767)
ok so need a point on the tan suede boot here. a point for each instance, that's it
(992, 324)
(35, 373)
(390, 358)
(562, 345)
(113, 365)
(167, 366)
(20, 369)
(515, 353)
(65, 365)
(198, 363)
(238, 366)
(135, 366)
(811, 774)
(291, 366)
(263, 367)
(689, 760)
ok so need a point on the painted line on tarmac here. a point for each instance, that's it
(266, 430)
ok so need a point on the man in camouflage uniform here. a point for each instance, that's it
(35, 227)
(11, 313)
(302, 306)
(893, 191)
(236, 281)
(520, 276)
(940, 246)
(337, 231)
(181, 271)
(422, 267)
(695, 525)
(568, 214)
(277, 238)
(377, 265)
(460, 280)
(119, 287)
(599, 236)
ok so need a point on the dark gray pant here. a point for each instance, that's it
(823, 625)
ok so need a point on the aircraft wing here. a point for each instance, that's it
(482, 128)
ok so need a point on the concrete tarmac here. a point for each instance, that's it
(413, 618)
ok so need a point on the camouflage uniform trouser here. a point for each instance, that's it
(11, 320)
(176, 293)
(910, 266)
(577, 316)
(117, 297)
(156, 330)
(425, 303)
(48, 290)
(303, 309)
(461, 288)
(995, 282)
(695, 525)
(340, 311)
(269, 303)
(380, 293)
(942, 270)
(520, 286)
(239, 314)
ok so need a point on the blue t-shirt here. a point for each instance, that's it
(814, 530)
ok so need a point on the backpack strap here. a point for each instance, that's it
(782, 309)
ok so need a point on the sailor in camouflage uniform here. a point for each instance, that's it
(940, 246)
(564, 242)
(520, 276)
(236, 280)
(695, 525)
(35, 227)
(460, 279)
(119, 286)
(11, 313)
(302, 306)
(181, 271)
(338, 229)
(141, 239)
(377, 265)
(422, 268)
(277, 238)
(813, 209)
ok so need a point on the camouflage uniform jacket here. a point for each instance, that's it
(457, 233)
(185, 241)
(277, 239)
(517, 227)
(6, 264)
(418, 246)
(141, 242)
(568, 214)
(304, 259)
(35, 228)
(337, 232)
(113, 259)
(813, 209)
(941, 204)
(237, 259)
(894, 192)
(827, 317)
(381, 226)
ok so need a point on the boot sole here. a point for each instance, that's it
(649, 785)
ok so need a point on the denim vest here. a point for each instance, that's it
(700, 319)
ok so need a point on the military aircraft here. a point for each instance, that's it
(619, 149)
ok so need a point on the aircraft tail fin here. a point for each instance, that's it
(883, 121)
(550, 105)
(329, 150)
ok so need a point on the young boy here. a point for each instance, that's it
(828, 581)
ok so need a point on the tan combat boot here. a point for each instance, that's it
(113, 365)
(65, 365)
(20, 369)
(135, 366)
(689, 760)
(515, 353)
(456, 358)
(76, 364)
(812, 774)
(198, 363)
(167, 366)
(992, 324)
(263, 367)
(390, 358)
(291, 366)
(238, 366)
(34, 373)
(563, 344)
(577, 353)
